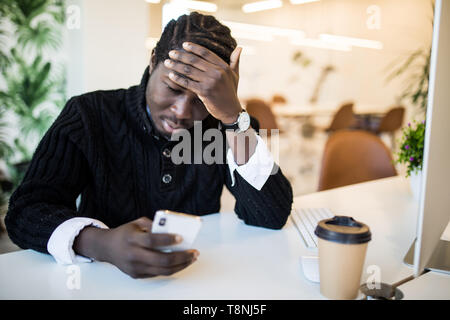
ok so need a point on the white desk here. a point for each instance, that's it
(432, 285)
(388, 208)
(236, 261)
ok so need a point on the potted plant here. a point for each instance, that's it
(411, 154)
(416, 68)
(5, 181)
(33, 88)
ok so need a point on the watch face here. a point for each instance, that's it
(244, 121)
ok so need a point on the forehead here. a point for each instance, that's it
(160, 75)
(160, 60)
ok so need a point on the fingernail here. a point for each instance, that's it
(167, 63)
(172, 53)
(186, 45)
(178, 239)
(196, 254)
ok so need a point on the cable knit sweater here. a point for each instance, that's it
(104, 146)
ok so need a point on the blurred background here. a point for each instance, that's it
(310, 69)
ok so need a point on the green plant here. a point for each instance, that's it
(5, 151)
(417, 65)
(36, 22)
(4, 58)
(5, 148)
(27, 90)
(416, 90)
(411, 148)
(33, 90)
(300, 59)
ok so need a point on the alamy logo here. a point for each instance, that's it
(374, 280)
(74, 277)
(73, 17)
(373, 21)
(208, 147)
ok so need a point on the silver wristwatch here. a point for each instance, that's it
(241, 124)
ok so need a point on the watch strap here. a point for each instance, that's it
(234, 125)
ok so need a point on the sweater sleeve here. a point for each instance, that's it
(57, 174)
(268, 206)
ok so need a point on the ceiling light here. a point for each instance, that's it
(196, 5)
(260, 32)
(153, 1)
(261, 5)
(242, 34)
(355, 42)
(320, 44)
(302, 1)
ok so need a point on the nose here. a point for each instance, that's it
(182, 108)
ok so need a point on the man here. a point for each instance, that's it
(114, 148)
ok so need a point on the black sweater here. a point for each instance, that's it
(104, 146)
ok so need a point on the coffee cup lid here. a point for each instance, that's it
(343, 229)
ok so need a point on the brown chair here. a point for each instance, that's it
(342, 119)
(278, 99)
(390, 123)
(354, 156)
(260, 110)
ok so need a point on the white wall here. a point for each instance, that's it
(113, 45)
(73, 47)
(360, 74)
(114, 54)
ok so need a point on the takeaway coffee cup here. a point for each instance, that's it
(342, 250)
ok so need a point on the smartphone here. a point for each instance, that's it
(186, 225)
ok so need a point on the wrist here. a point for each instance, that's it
(231, 119)
(91, 242)
(240, 124)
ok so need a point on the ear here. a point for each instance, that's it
(152, 64)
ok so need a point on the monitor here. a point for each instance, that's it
(430, 251)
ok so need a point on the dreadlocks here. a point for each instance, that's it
(201, 29)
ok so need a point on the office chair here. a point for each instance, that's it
(392, 120)
(390, 123)
(354, 156)
(279, 99)
(260, 110)
(342, 119)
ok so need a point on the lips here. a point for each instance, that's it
(170, 127)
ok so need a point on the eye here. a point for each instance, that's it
(173, 90)
(198, 101)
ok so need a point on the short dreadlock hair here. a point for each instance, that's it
(201, 29)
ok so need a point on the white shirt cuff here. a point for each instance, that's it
(258, 168)
(61, 241)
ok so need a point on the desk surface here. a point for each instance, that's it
(431, 285)
(236, 261)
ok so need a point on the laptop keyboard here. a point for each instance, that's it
(306, 220)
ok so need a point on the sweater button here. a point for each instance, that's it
(166, 178)
(166, 153)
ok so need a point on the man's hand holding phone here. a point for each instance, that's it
(134, 249)
(188, 226)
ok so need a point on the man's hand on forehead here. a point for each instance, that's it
(201, 71)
